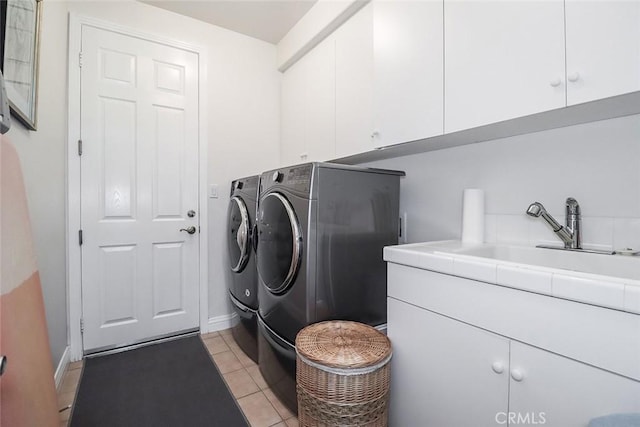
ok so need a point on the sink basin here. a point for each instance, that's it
(620, 266)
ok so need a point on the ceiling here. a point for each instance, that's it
(267, 20)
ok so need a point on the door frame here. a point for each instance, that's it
(74, 260)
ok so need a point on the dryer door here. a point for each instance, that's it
(279, 244)
(238, 234)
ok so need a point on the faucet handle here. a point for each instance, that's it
(572, 206)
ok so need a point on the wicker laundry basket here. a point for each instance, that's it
(342, 375)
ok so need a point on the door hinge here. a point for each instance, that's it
(79, 147)
(80, 59)
(81, 325)
(80, 237)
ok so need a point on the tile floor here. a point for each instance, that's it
(261, 407)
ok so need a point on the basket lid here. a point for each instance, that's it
(343, 344)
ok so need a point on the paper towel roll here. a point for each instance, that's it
(473, 216)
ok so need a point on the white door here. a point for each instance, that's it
(308, 107)
(139, 182)
(603, 49)
(565, 392)
(503, 59)
(408, 71)
(318, 67)
(445, 372)
(292, 120)
(354, 84)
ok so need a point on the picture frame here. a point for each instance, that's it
(19, 57)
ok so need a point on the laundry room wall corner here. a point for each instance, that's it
(244, 139)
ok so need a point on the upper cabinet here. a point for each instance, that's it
(354, 84)
(603, 49)
(403, 70)
(293, 115)
(502, 60)
(408, 71)
(308, 107)
(319, 65)
(505, 60)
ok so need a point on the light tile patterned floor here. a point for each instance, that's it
(261, 407)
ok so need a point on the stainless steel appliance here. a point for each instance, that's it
(242, 275)
(320, 232)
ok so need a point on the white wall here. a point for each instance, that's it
(42, 155)
(597, 163)
(243, 104)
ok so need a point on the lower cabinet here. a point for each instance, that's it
(449, 373)
(441, 370)
(568, 393)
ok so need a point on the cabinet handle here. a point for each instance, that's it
(555, 82)
(573, 77)
(517, 375)
(497, 367)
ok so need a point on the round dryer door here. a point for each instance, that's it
(279, 247)
(238, 234)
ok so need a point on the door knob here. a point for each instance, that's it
(3, 364)
(190, 230)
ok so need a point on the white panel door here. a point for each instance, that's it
(503, 59)
(444, 372)
(603, 48)
(408, 70)
(565, 392)
(139, 180)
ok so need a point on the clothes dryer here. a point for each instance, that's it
(242, 275)
(321, 229)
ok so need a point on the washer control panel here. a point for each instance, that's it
(296, 178)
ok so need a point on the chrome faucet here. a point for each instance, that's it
(571, 233)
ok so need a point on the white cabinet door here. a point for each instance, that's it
(354, 84)
(502, 60)
(408, 71)
(308, 107)
(443, 370)
(565, 392)
(292, 121)
(318, 67)
(603, 49)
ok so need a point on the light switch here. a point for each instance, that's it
(213, 191)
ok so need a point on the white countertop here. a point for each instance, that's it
(615, 292)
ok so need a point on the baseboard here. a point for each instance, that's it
(62, 366)
(220, 323)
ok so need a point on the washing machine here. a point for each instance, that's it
(321, 229)
(242, 275)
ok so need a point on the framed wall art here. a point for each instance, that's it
(19, 54)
